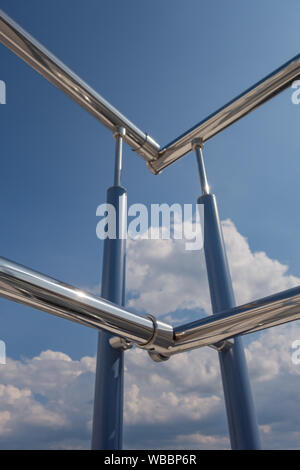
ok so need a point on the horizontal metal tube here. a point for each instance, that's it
(44, 293)
(33, 289)
(40, 59)
(270, 311)
(243, 104)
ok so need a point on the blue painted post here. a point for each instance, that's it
(108, 402)
(241, 416)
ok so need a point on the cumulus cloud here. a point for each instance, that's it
(254, 275)
(46, 401)
(164, 277)
(201, 440)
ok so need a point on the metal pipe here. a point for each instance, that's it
(197, 147)
(40, 59)
(119, 136)
(33, 289)
(45, 63)
(109, 384)
(258, 315)
(258, 94)
(243, 428)
(28, 287)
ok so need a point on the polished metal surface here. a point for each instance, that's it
(107, 431)
(240, 410)
(264, 313)
(120, 343)
(40, 59)
(36, 290)
(197, 146)
(119, 136)
(33, 289)
(243, 104)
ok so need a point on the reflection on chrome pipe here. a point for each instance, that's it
(40, 59)
(243, 104)
(254, 316)
(44, 293)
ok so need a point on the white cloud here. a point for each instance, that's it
(43, 396)
(165, 277)
(177, 404)
(198, 440)
(254, 275)
(171, 396)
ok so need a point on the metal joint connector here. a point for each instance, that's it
(120, 132)
(152, 169)
(161, 341)
(197, 143)
(154, 335)
(157, 357)
(222, 345)
(117, 342)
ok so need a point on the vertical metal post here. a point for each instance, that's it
(108, 402)
(241, 416)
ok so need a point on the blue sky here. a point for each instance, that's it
(165, 65)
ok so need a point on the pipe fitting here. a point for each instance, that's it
(161, 341)
(117, 342)
(120, 132)
(197, 143)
